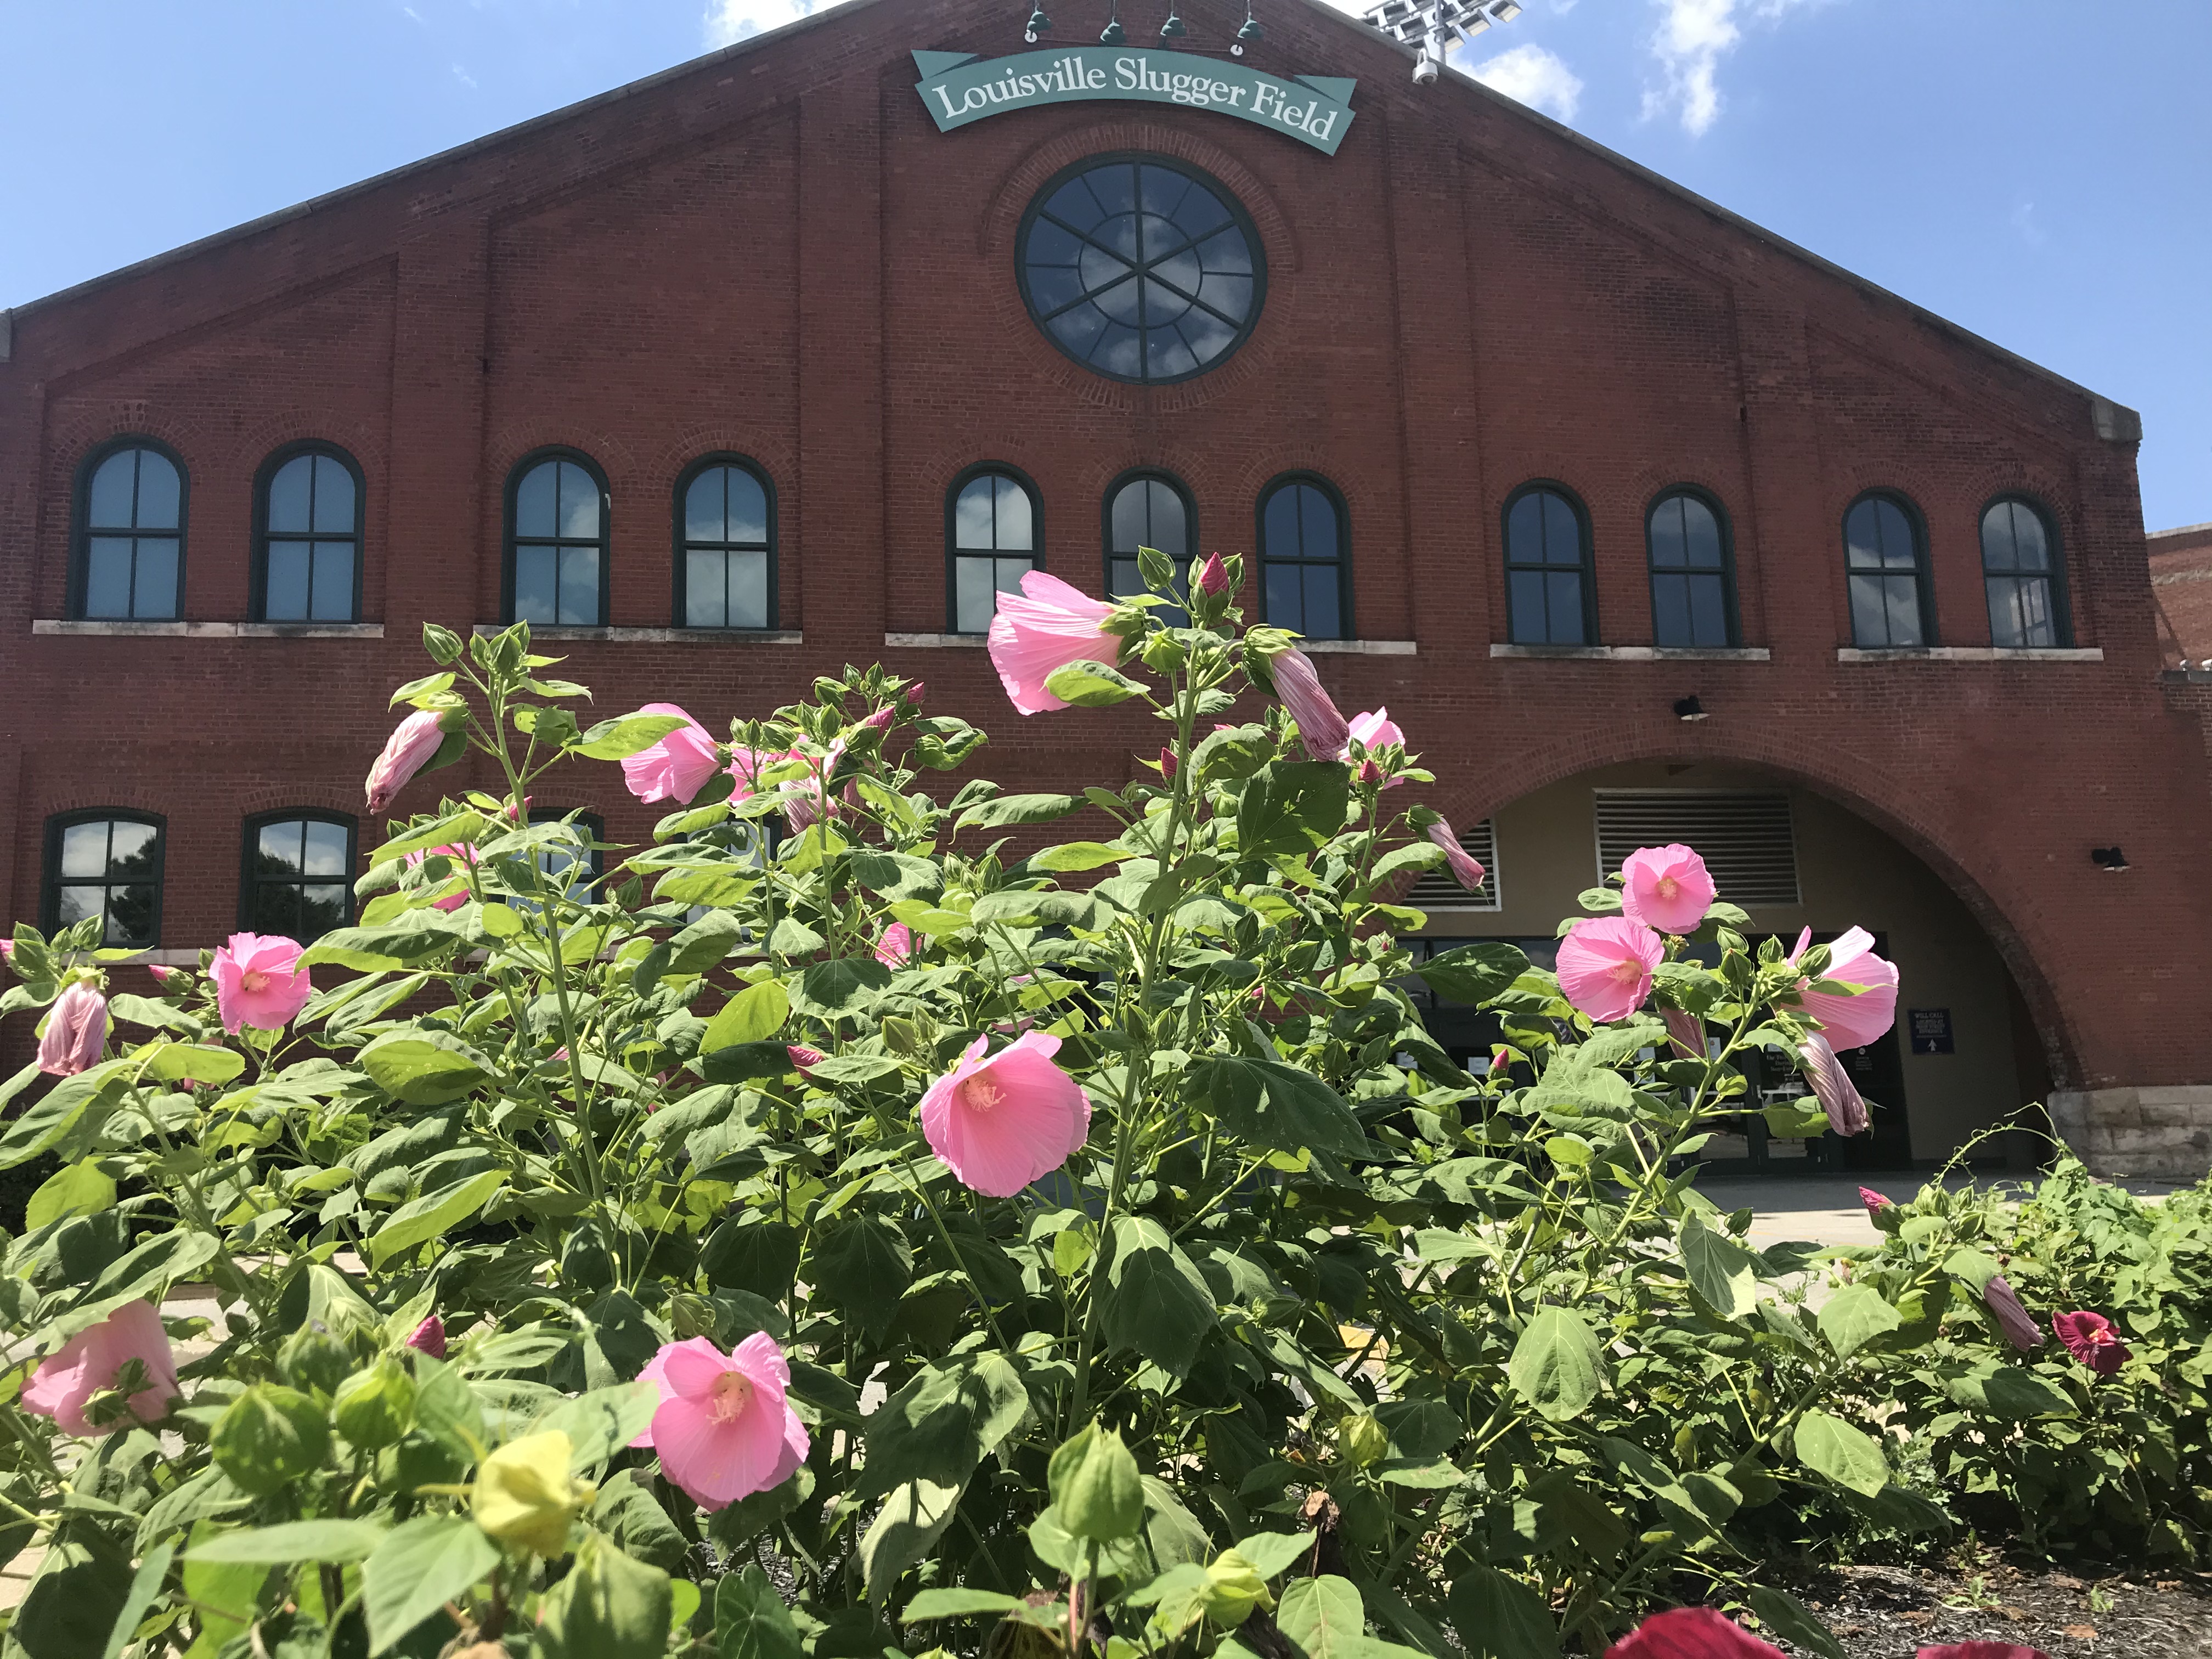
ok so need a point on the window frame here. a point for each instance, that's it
(516, 475)
(250, 840)
(1923, 572)
(265, 477)
(1586, 539)
(953, 551)
(2062, 606)
(680, 543)
(1114, 488)
(1347, 622)
(80, 565)
(50, 869)
(1240, 216)
(1732, 620)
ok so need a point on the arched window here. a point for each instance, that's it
(1692, 593)
(299, 874)
(556, 541)
(1149, 509)
(130, 558)
(107, 864)
(726, 545)
(1551, 596)
(2021, 570)
(1885, 564)
(309, 503)
(1304, 562)
(993, 532)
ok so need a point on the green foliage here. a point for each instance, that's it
(1317, 1340)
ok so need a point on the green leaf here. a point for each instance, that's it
(424, 1067)
(270, 1436)
(620, 738)
(863, 1268)
(82, 1189)
(1473, 973)
(223, 1594)
(1005, 811)
(958, 1603)
(896, 875)
(155, 1265)
(1557, 1364)
(751, 1621)
(1087, 685)
(1854, 1316)
(608, 1606)
(419, 1566)
(1971, 1268)
(1077, 855)
(432, 1213)
(601, 1423)
(1829, 1446)
(2006, 1390)
(909, 1524)
(1157, 1301)
(55, 1115)
(1272, 1104)
(841, 988)
(1274, 1552)
(705, 943)
(1323, 1617)
(1722, 1271)
(942, 1423)
(76, 1598)
(292, 1541)
(145, 1585)
(383, 949)
(753, 1015)
(174, 1062)
(1793, 1622)
(1499, 1617)
(1293, 806)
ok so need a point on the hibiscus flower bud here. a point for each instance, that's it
(1168, 765)
(77, 1031)
(524, 1497)
(1213, 577)
(428, 1337)
(407, 751)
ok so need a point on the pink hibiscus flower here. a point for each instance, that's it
(1852, 1021)
(258, 982)
(676, 767)
(1045, 627)
(91, 1360)
(1606, 965)
(724, 1428)
(1666, 888)
(1000, 1123)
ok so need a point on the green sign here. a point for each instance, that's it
(959, 87)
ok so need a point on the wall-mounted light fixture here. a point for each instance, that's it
(1112, 35)
(1689, 708)
(1038, 24)
(1251, 31)
(2110, 860)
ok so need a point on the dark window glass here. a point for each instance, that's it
(1882, 564)
(2020, 567)
(108, 867)
(994, 541)
(1152, 513)
(310, 540)
(1302, 562)
(1140, 268)
(560, 541)
(729, 549)
(132, 537)
(298, 876)
(1546, 570)
(1690, 597)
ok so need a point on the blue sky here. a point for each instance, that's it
(2037, 170)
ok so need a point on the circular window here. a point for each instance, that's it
(1140, 268)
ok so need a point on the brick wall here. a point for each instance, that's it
(2181, 583)
(772, 251)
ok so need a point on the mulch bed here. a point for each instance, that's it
(1892, 1612)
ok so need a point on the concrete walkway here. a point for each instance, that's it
(1825, 1208)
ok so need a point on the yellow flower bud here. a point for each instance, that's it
(1233, 1588)
(1361, 1440)
(524, 1497)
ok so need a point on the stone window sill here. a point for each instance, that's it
(936, 641)
(655, 635)
(1633, 652)
(214, 630)
(1970, 653)
(1359, 648)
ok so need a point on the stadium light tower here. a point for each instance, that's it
(1429, 25)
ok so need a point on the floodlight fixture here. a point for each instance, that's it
(1433, 26)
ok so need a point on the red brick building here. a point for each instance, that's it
(1538, 445)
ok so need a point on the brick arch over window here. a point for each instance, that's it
(2001, 902)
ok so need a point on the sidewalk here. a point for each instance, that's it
(1825, 1209)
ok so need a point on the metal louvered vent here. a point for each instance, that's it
(1437, 891)
(1743, 836)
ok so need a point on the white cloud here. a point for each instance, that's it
(465, 77)
(728, 22)
(1529, 74)
(2025, 222)
(1693, 37)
